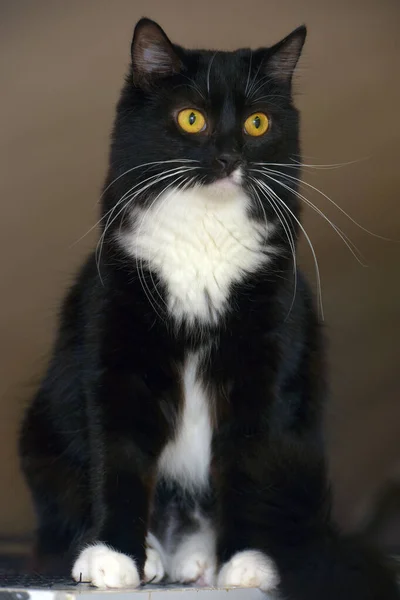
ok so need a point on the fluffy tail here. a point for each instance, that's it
(337, 568)
(288, 516)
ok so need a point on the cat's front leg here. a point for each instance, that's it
(127, 437)
(117, 558)
(242, 552)
(241, 448)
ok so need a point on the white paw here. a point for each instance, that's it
(194, 560)
(153, 568)
(198, 568)
(105, 568)
(250, 568)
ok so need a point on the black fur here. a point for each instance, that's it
(111, 396)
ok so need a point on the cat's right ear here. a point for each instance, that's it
(153, 55)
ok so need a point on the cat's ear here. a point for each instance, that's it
(282, 58)
(153, 55)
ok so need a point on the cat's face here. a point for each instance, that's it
(205, 118)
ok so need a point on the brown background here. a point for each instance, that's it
(61, 69)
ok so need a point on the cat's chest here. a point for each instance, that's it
(187, 456)
(199, 246)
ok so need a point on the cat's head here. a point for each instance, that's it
(205, 118)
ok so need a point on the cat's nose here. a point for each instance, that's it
(228, 161)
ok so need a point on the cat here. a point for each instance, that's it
(177, 434)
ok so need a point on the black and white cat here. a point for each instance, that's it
(178, 432)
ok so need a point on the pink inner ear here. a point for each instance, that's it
(155, 58)
(152, 52)
(285, 55)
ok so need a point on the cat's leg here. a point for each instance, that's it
(117, 558)
(129, 434)
(60, 488)
(243, 554)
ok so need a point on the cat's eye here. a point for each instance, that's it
(191, 120)
(256, 124)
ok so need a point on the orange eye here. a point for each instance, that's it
(256, 124)
(191, 120)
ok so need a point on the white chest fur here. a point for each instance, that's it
(186, 458)
(199, 242)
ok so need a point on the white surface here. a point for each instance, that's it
(148, 593)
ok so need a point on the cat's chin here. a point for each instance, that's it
(225, 186)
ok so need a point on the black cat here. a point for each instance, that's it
(178, 430)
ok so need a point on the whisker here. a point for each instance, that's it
(209, 71)
(289, 235)
(344, 237)
(181, 179)
(255, 81)
(266, 187)
(153, 163)
(263, 81)
(267, 97)
(295, 164)
(348, 242)
(153, 179)
(259, 87)
(296, 179)
(192, 84)
(248, 74)
(309, 157)
(160, 177)
(284, 223)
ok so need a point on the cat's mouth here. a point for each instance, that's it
(229, 182)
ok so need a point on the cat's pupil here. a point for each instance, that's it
(192, 118)
(257, 122)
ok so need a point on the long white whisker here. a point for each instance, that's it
(344, 237)
(139, 264)
(350, 245)
(161, 177)
(250, 93)
(153, 179)
(341, 210)
(284, 224)
(261, 83)
(317, 271)
(289, 235)
(295, 164)
(336, 205)
(153, 163)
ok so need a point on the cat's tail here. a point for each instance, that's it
(290, 520)
(338, 568)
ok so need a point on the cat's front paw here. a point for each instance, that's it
(197, 567)
(194, 561)
(105, 568)
(249, 568)
(153, 568)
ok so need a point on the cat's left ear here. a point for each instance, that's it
(153, 55)
(282, 58)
